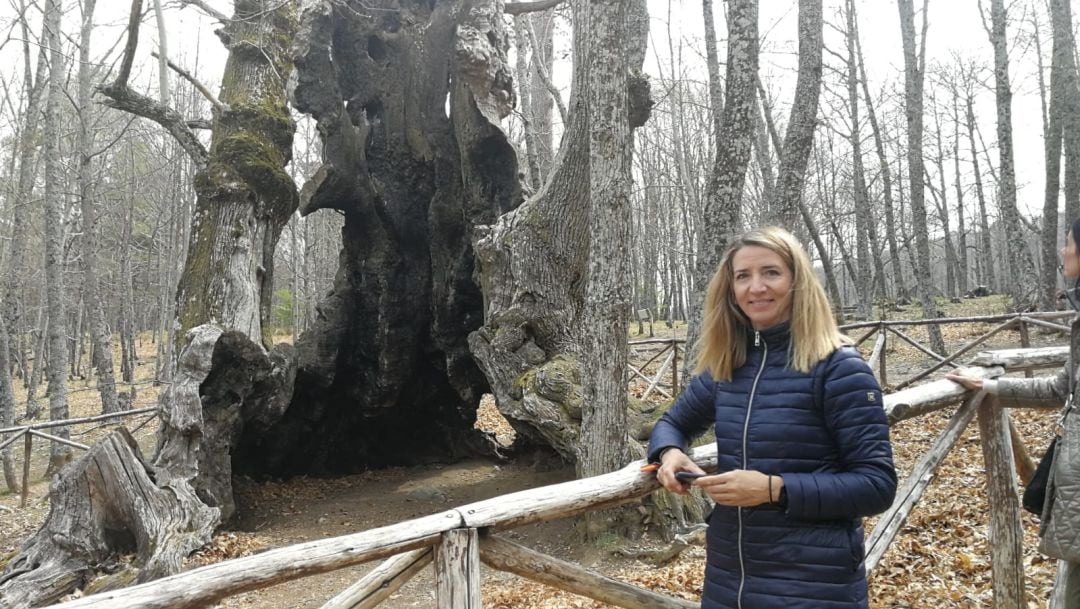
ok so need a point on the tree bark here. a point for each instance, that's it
(721, 218)
(863, 220)
(987, 253)
(101, 351)
(914, 66)
(1021, 269)
(799, 139)
(59, 454)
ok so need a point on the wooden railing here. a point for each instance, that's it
(458, 540)
(29, 431)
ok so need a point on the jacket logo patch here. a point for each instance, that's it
(870, 396)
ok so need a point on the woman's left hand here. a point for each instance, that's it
(740, 488)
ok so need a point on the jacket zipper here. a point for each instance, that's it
(745, 460)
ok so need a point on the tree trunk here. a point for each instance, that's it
(899, 286)
(7, 408)
(101, 351)
(914, 69)
(616, 49)
(721, 218)
(1061, 21)
(799, 139)
(863, 219)
(1052, 146)
(532, 265)
(59, 454)
(1021, 269)
(987, 253)
(961, 227)
(127, 295)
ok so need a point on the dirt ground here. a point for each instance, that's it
(941, 558)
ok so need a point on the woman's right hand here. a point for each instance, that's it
(675, 460)
(969, 382)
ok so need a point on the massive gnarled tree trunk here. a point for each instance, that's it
(532, 268)
(408, 98)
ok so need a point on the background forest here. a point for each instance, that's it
(389, 209)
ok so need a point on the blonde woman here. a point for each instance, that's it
(803, 444)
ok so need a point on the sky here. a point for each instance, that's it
(954, 28)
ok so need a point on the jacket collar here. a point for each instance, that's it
(776, 337)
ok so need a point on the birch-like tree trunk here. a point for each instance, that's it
(961, 214)
(604, 445)
(59, 454)
(1062, 25)
(914, 70)
(722, 214)
(986, 255)
(1021, 269)
(799, 139)
(899, 285)
(101, 351)
(1053, 134)
(863, 215)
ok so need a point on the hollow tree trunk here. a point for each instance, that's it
(385, 372)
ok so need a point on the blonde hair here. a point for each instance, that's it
(814, 335)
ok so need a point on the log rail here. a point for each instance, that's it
(457, 541)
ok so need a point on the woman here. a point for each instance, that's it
(803, 444)
(1059, 531)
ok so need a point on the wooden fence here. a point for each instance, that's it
(456, 541)
(29, 431)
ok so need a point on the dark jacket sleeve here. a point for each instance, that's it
(691, 416)
(855, 417)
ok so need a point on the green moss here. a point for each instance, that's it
(113, 581)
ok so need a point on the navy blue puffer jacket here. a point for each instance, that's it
(825, 433)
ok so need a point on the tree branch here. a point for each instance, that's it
(541, 69)
(206, 8)
(519, 8)
(123, 98)
(218, 106)
(134, 19)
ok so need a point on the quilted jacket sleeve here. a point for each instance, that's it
(691, 416)
(1017, 392)
(866, 481)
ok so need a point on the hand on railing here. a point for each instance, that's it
(969, 382)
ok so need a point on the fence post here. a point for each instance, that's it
(675, 369)
(457, 570)
(26, 470)
(1025, 342)
(1005, 535)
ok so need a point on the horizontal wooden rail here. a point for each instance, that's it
(93, 419)
(955, 320)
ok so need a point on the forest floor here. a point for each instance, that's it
(941, 558)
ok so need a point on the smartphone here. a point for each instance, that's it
(688, 476)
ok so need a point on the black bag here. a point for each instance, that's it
(1035, 492)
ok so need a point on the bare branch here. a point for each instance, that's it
(123, 98)
(520, 8)
(541, 70)
(218, 106)
(206, 8)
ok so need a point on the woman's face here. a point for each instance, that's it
(1070, 258)
(761, 283)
